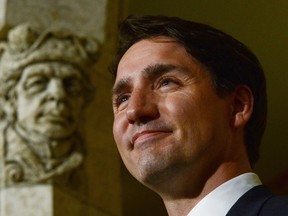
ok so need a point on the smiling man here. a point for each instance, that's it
(190, 109)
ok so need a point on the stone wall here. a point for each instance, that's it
(97, 188)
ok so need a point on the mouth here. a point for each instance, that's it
(56, 118)
(146, 137)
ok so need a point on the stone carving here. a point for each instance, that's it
(44, 87)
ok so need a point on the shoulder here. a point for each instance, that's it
(276, 205)
(261, 202)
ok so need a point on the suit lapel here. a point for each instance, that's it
(251, 202)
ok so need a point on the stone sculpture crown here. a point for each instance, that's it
(25, 45)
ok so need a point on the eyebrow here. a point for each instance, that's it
(156, 70)
(120, 86)
(151, 72)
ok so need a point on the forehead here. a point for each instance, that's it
(149, 59)
(159, 46)
(55, 69)
(153, 51)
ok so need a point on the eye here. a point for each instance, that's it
(73, 85)
(168, 83)
(36, 84)
(120, 100)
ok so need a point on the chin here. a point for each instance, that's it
(152, 173)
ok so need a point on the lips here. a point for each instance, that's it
(148, 136)
(56, 117)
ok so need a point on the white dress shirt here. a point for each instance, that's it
(219, 201)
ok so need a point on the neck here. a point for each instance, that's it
(193, 191)
(183, 188)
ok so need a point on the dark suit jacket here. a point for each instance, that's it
(259, 201)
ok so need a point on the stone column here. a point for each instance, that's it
(57, 155)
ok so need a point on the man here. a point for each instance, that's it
(44, 89)
(190, 109)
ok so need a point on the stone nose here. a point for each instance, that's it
(56, 89)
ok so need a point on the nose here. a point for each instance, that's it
(142, 107)
(56, 89)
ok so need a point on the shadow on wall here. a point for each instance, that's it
(279, 184)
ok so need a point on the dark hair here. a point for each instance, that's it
(229, 62)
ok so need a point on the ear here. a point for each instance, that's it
(242, 106)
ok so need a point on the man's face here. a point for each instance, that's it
(50, 99)
(167, 116)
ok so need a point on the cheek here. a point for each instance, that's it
(116, 132)
(26, 108)
(189, 116)
(121, 137)
(120, 131)
(178, 109)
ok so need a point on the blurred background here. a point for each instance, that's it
(263, 27)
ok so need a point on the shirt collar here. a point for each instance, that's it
(220, 200)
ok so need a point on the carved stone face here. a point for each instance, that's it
(49, 99)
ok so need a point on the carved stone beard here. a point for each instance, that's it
(44, 146)
(27, 161)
